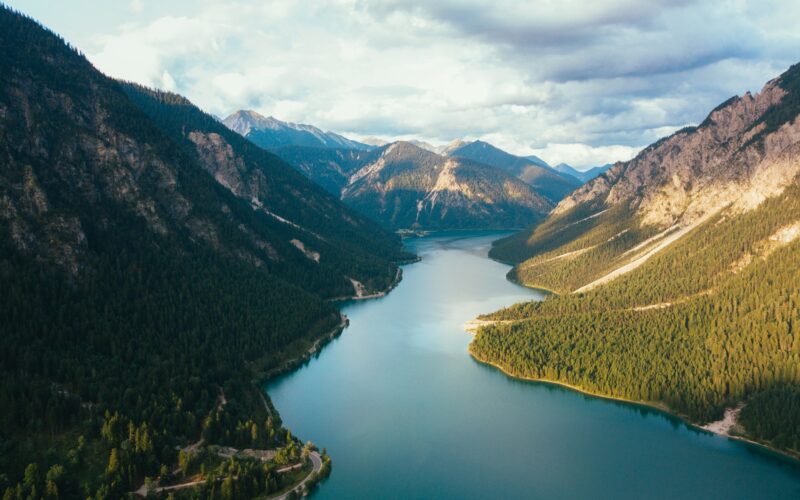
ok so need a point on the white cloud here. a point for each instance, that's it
(167, 82)
(579, 81)
(136, 6)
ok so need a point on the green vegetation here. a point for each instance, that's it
(328, 167)
(349, 244)
(142, 301)
(721, 329)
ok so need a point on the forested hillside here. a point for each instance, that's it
(144, 292)
(328, 167)
(347, 245)
(688, 300)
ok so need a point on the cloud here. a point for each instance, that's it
(579, 81)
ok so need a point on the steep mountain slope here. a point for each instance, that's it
(269, 132)
(153, 264)
(685, 263)
(583, 176)
(740, 155)
(320, 221)
(330, 168)
(407, 187)
(545, 181)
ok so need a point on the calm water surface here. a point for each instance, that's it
(406, 413)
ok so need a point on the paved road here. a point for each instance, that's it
(316, 462)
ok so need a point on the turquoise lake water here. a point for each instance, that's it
(405, 412)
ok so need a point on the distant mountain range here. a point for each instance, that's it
(337, 157)
(332, 161)
(538, 161)
(545, 180)
(404, 186)
(269, 132)
(583, 176)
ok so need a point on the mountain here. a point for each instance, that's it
(330, 168)
(538, 161)
(545, 181)
(449, 148)
(425, 145)
(583, 176)
(269, 132)
(407, 187)
(154, 266)
(568, 170)
(403, 186)
(678, 275)
(374, 141)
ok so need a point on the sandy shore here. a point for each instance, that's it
(472, 326)
(727, 424)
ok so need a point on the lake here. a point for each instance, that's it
(405, 412)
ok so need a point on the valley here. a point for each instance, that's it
(436, 414)
(411, 186)
(517, 269)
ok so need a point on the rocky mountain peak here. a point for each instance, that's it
(733, 157)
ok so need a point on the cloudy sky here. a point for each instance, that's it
(580, 81)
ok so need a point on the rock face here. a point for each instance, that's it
(546, 181)
(746, 151)
(406, 187)
(735, 156)
(269, 132)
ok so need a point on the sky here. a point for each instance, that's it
(585, 82)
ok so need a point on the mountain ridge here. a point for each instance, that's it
(407, 187)
(585, 175)
(269, 132)
(545, 180)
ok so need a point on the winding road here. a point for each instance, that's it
(316, 462)
(316, 466)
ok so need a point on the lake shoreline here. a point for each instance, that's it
(795, 457)
(398, 277)
(401, 365)
(294, 362)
